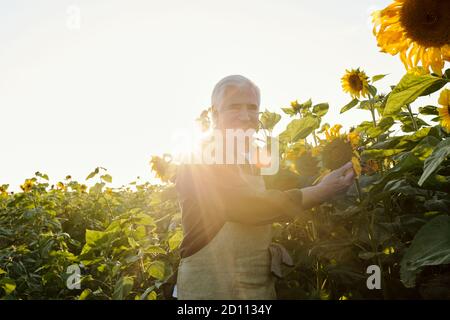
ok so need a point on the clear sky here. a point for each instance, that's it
(112, 92)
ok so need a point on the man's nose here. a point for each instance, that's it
(243, 114)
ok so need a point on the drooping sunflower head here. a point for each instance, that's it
(444, 110)
(337, 153)
(307, 164)
(418, 30)
(333, 132)
(355, 82)
(27, 185)
(3, 189)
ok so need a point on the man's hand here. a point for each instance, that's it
(335, 182)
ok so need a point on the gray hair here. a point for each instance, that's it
(233, 80)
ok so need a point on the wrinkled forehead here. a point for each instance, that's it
(237, 95)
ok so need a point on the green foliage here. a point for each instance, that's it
(126, 242)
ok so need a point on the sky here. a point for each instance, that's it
(92, 83)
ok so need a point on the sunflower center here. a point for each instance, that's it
(427, 21)
(355, 82)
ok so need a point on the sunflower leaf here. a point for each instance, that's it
(432, 163)
(409, 88)
(350, 105)
(321, 109)
(269, 119)
(430, 247)
(378, 77)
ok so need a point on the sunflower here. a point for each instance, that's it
(60, 186)
(333, 132)
(3, 189)
(356, 83)
(444, 111)
(337, 153)
(354, 138)
(307, 164)
(83, 188)
(27, 186)
(418, 30)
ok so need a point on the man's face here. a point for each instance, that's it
(238, 109)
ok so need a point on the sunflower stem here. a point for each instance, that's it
(358, 188)
(315, 138)
(408, 106)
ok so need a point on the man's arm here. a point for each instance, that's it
(220, 190)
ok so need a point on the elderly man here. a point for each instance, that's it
(227, 213)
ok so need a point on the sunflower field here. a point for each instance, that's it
(125, 241)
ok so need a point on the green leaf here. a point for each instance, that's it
(94, 237)
(433, 162)
(269, 119)
(157, 270)
(2, 271)
(383, 126)
(429, 110)
(86, 293)
(321, 109)
(409, 88)
(155, 250)
(123, 287)
(430, 247)
(289, 111)
(378, 77)
(350, 105)
(93, 173)
(380, 153)
(372, 90)
(106, 178)
(175, 240)
(144, 219)
(9, 285)
(299, 128)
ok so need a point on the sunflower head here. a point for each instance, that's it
(356, 83)
(444, 110)
(333, 132)
(307, 164)
(337, 153)
(83, 188)
(60, 186)
(417, 30)
(3, 189)
(27, 185)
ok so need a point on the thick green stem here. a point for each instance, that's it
(358, 188)
(412, 117)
